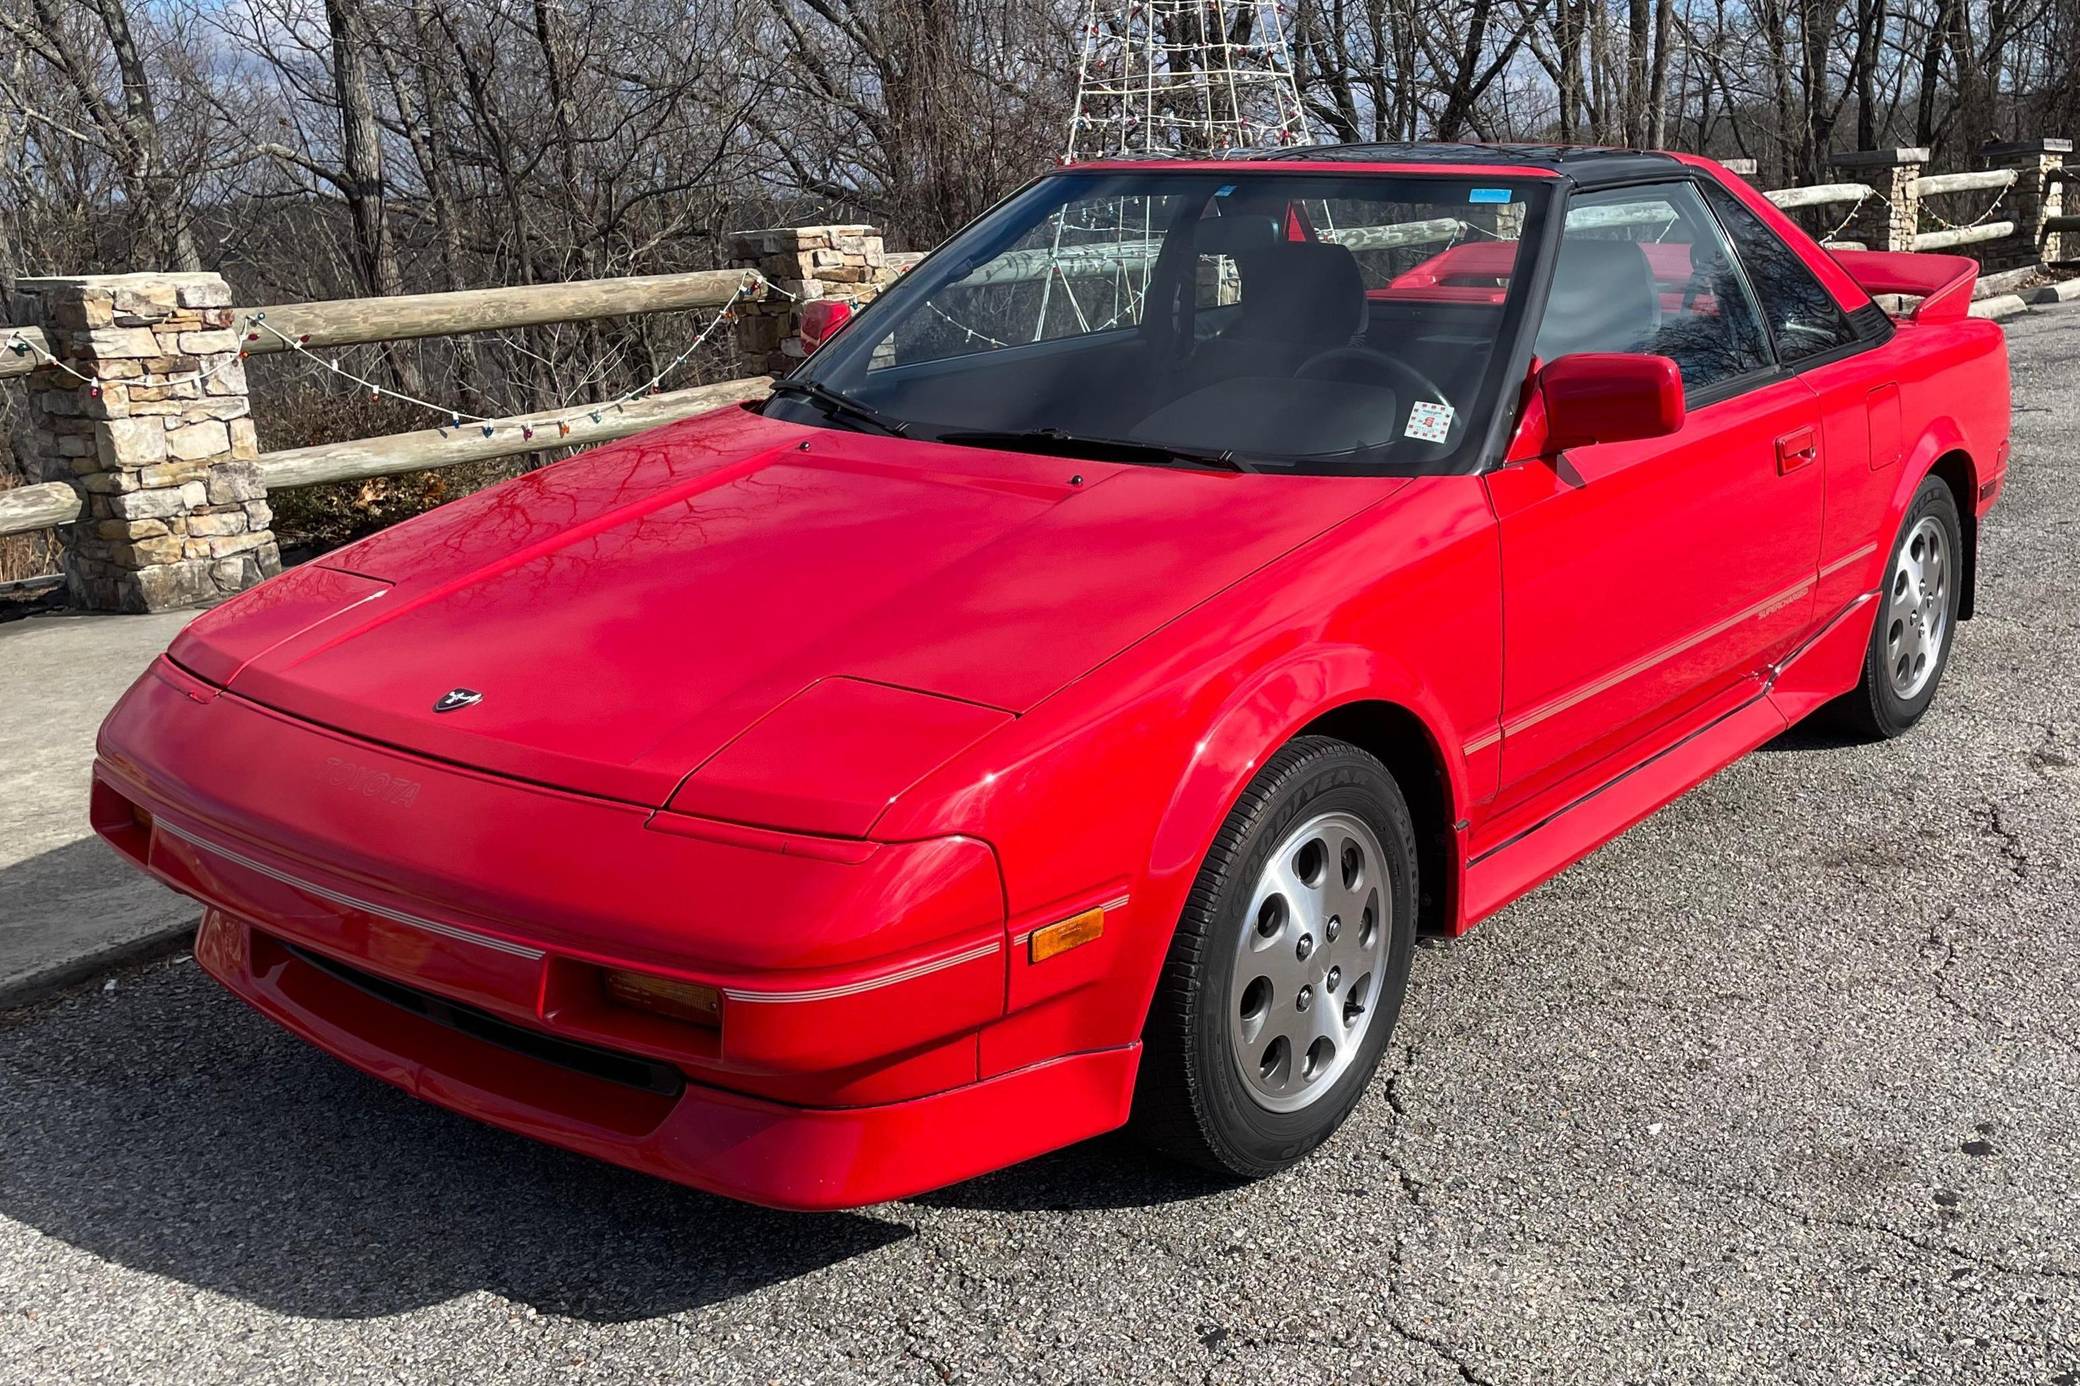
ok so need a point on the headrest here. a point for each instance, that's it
(1603, 299)
(1238, 233)
(1302, 292)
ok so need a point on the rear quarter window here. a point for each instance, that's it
(1804, 320)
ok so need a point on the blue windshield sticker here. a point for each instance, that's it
(1488, 195)
(1223, 192)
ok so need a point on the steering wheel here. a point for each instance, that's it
(1423, 386)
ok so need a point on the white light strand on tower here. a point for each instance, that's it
(1184, 77)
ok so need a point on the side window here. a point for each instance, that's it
(1647, 270)
(1803, 316)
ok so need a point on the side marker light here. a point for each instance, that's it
(1073, 932)
(665, 996)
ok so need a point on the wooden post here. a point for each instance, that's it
(2037, 195)
(1888, 221)
(142, 409)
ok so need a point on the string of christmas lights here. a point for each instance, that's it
(22, 346)
(969, 334)
(1980, 220)
(1850, 215)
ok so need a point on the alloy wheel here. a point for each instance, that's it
(1309, 961)
(1917, 608)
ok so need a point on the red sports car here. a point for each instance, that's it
(1061, 704)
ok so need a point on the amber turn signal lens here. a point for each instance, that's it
(1073, 932)
(665, 996)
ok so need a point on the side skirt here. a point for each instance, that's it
(1828, 665)
(1818, 671)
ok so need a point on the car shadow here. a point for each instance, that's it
(1813, 734)
(1109, 1172)
(164, 1127)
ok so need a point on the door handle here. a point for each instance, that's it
(1800, 448)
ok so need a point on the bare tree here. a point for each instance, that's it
(75, 47)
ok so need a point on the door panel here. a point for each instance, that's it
(1644, 582)
(1641, 580)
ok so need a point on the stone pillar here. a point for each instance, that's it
(143, 408)
(2038, 193)
(1889, 224)
(802, 263)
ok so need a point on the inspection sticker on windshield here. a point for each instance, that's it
(1429, 422)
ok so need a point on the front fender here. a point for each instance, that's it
(1270, 710)
(1110, 793)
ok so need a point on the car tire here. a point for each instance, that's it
(1915, 626)
(1214, 1087)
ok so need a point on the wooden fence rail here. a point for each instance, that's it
(1951, 236)
(1819, 195)
(41, 505)
(1963, 182)
(24, 509)
(410, 316)
(445, 447)
(349, 322)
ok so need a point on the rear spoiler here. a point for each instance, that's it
(1943, 283)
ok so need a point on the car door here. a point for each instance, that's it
(1645, 582)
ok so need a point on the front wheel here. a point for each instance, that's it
(1916, 619)
(1288, 967)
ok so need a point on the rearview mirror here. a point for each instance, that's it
(1610, 397)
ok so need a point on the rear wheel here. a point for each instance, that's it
(1916, 619)
(1288, 967)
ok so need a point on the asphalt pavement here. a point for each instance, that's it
(1782, 1085)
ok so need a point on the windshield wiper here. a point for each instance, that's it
(1055, 443)
(836, 406)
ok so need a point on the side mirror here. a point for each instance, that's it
(820, 320)
(1610, 397)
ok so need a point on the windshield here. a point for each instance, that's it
(1343, 322)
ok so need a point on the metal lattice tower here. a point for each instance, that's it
(1164, 77)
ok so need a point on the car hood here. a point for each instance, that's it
(629, 613)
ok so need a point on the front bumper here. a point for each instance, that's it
(728, 1143)
(855, 977)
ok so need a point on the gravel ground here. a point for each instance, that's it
(1783, 1085)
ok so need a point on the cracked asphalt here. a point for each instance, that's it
(1783, 1085)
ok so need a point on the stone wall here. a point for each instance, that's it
(2038, 196)
(802, 263)
(1889, 220)
(144, 410)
